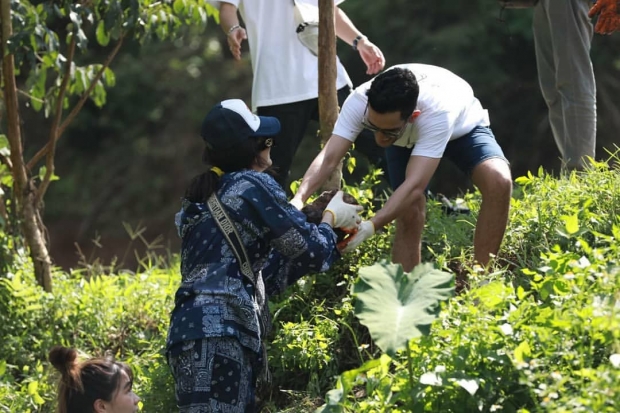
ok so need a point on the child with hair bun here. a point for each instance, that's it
(96, 385)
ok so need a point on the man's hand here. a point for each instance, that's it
(345, 216)
(234, 39)
(608, 12)
(364, 231)
(371, 55)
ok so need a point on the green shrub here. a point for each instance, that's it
(125, 315)
(541, 332)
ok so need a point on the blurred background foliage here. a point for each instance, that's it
(130, 161)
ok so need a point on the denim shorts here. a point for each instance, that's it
(465, 152)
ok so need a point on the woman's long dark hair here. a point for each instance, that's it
(81, 384)
(235, 158)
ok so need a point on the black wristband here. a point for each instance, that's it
(356, 41)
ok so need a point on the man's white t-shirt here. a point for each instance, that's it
(285, 71)
(447, 105)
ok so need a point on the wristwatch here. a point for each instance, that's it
(356, 41)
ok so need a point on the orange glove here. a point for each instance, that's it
(608, 12)
(350, 233)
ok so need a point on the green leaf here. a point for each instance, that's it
(33, 386)
(178, 6)
(396, 306)
(109, 77)
(334, 398)
(571, 224)
(103, 37)
(523, 350)
(37, 92)
(42, 172)
(493, 294)
(5, 149)
(38, 399)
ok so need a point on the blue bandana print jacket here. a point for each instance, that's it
(215, 299)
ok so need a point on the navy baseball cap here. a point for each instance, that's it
(231, 122)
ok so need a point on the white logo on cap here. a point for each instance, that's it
(238, 106)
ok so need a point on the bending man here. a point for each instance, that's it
(420, 113)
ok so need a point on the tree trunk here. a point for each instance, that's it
(328, 99)
(28, 210)
(33, 229)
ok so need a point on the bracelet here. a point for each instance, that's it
(232, 29)
(356, 41)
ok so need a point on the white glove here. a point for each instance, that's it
(297, 203)
(364, 231)
(346, 216)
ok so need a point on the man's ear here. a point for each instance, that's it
(99, 406)
(414, 115)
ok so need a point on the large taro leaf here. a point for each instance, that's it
(397, 306)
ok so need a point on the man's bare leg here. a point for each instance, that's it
(408, 238)
(493, 179)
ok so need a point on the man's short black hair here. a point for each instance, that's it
(395, 90)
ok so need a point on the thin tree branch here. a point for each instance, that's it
(29, 96)
(76, 109)
(20, 176)
(49, 161)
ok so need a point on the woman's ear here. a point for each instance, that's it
(100, 406)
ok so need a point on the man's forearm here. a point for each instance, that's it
(322, 167)
(398, 203)
(316, 175)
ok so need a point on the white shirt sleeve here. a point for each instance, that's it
(349, 123)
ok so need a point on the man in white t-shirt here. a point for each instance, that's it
(285, 82)
(420, 113)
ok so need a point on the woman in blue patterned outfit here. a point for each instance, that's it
(220, 318)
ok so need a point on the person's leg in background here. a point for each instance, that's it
(294, 118)
(562, 35)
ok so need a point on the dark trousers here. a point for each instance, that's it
(294, 119)
(214, 375)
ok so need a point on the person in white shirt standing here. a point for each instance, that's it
(285, 83)
(420, 113)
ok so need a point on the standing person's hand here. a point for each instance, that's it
(235, 36)
(371, 55)
(343, 215)
(608, 12)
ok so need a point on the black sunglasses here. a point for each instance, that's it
(390, 133)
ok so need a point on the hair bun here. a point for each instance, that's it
(63, 359)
